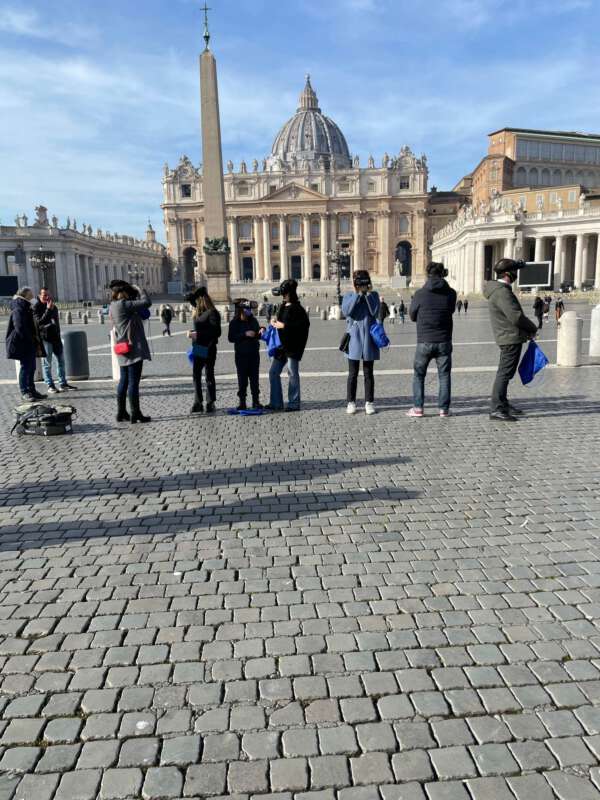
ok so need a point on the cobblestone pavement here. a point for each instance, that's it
(308, 606)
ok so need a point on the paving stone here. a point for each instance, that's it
(98, 754)
(180, 751)
(20, 759)
(36, 787)
(493, 760)
(248, 776)
(371, 768)
(79, 785)
(162, 782)
(288, 774)
(326, 771)
(489, 789)
(452, 762)
(525, 787)
(448, 790)
(566, 786)
(412, 765)
(121, 783)
(139, 752)
(204, 780)
(58, 758)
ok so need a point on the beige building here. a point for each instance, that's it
(308, 197)
(77, 263)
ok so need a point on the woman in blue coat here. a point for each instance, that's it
(23, 342)
(361, 309)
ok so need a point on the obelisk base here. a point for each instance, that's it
(217, 277)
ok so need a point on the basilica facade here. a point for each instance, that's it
(308, 198)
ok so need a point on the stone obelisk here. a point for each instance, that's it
(216, 246)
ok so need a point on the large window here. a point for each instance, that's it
(371, 227)
(185, 189)
(405, 183)
(521, 177)
(274, 230)
(403, 224)
(345, 225)
(188, 231)
(315, 227)
(245, 229)
(243, 189)
(294, 226)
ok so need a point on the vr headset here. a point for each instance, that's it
(192, 298)
(285, 287)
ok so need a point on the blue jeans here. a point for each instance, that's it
(276, 399)
(47, 365)
(27, 374)
(129, 381)
(426, 351)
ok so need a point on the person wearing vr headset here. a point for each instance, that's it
(432, 308)
(128, 302)
(244, 333)
(361, 309)
(206, 333)
(293, 325)
(511, 330)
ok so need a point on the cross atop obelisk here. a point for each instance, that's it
(216, 246)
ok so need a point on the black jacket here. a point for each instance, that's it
(384, 311)
(432, 308)
(208, 328)
(48, 322)
(22, 338)
(295, 334)
(244, 345)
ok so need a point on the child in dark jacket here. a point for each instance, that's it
(244, 334)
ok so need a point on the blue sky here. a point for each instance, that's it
(96, 96)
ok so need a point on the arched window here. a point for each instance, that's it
(521, 177)
(556, 177)
(403, 224)
(545, 180)
(188, 231)
(371, 226)
(316, 272)
(533, 176)
(569, 176)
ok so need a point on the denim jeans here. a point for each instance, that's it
(47, 365)
(425, 352)
(27, 374)
(129, 381)
(276, 399)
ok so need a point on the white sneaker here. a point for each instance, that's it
(351, 408)
(369, 408)
(53, 390)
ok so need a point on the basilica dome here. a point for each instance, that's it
(309, 136)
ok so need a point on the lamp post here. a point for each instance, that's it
(42, 261)
(340, 259)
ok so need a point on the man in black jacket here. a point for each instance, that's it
(48, 322)
(432, 308)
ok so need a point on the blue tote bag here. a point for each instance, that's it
(271, 338)
(532, 364)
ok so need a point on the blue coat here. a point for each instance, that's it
(22, 340)
(361, 312)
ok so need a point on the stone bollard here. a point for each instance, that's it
(69, 318)
(595, 332)
(100, 317)
(76, 355)
(85, 319)
(324, 314)
(335, 313)
(182, 316)
(317, 309)
(568, 346)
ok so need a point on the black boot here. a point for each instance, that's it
(256, 404)
(122, 415)
(197, 408)
(210, 407)
(242, 404)
(136, 414)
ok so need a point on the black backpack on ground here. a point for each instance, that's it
(43, 420)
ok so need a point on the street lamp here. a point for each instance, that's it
(43, 261)
(340, 260)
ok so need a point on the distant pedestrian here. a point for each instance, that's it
(559, 308)
(465, 306)
(384, 310)
(401, 311)
(393, 313)
(48, 324)
(546, 309)
(293, 325)
(206, 334)
(361, 308)
(166, 316)
(23, 343)
(432, 308)
(538, 310)
(128, 308)
(244, 334)
(459, 306)
(511, 329)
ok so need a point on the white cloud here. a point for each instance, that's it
(28, 23)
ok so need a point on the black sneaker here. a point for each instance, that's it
(197, 408)
(37, 396)
(502, 416)
(257, 406)
(210, 407)
(514, 411)
(67, 387)
(269, 407)
(28, 398)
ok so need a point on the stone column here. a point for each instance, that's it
(538, 254)
(333, 228)
(357, 254)
(509, 248)
(323, 249)
(307, 255)
(234, 257)
(284, 267)
(585, 258)
(258, 257)
(386, 262)
(578, 260)
(266, 234)
(479, 267)
(558, 266)
(597, 269)
(420, 248)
